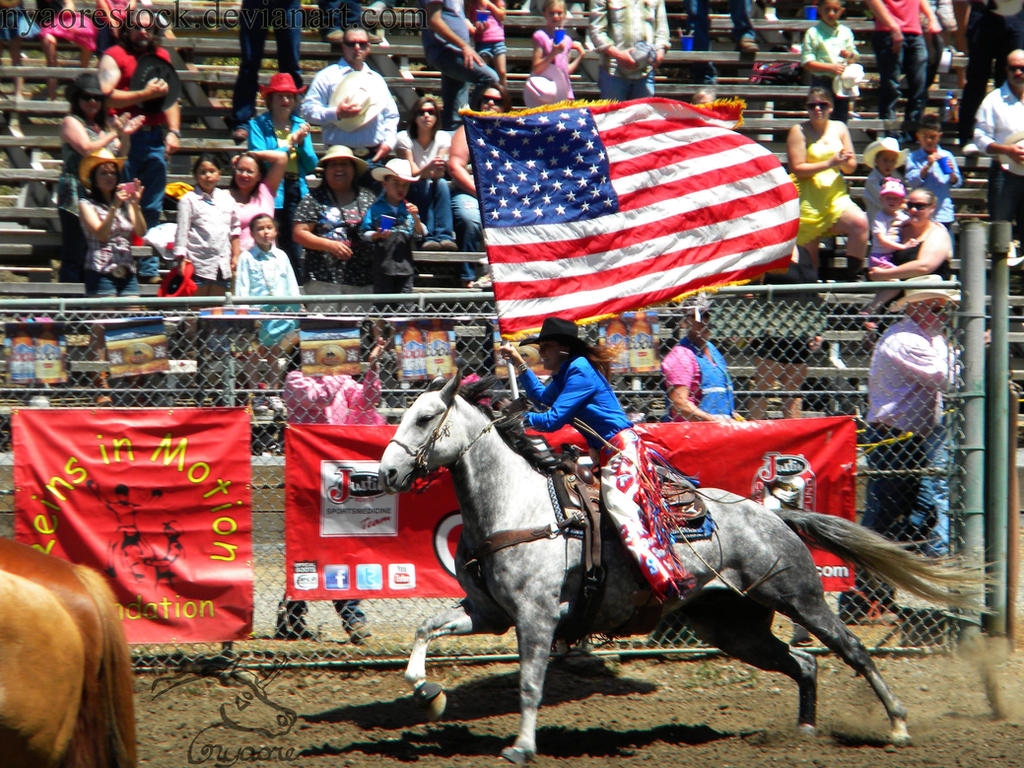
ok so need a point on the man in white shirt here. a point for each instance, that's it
(1001, 115)
(372, 140)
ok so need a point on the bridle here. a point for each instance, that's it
(443, 429)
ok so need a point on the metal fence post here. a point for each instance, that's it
(972, 393)
(997, 402)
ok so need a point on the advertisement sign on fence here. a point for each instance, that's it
(157, 499)
(345, 538)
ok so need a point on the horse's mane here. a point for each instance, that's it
(480, 395)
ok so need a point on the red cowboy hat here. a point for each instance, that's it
(280, 83)
(178, 282)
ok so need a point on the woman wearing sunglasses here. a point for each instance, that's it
(927, 248)
(426, 148)
(820, 151)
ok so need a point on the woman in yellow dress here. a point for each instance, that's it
(820, 151)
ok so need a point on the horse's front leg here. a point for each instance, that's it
(535, 635)
(458, 620)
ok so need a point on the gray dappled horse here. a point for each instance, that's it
(756, 563)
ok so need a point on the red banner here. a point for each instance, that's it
(345, 539)
(157, 499)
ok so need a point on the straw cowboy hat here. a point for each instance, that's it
(845, 85)
(928, 290)
(341, 152)
(357, 87)
(1008, 7)
(397, 167)
(888, 144)
(93, 159)
(281, 82)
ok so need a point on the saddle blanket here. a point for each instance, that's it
(702, 529)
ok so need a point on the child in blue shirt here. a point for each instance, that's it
(934, 168)
(393, 225)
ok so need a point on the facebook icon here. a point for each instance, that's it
(336, 577)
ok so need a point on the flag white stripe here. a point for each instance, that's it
(634, 114)
(636, 253)
(643, 145)
(719, 162)
(646, 283)
(696, 200)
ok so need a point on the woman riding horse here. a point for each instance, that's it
(579, 392)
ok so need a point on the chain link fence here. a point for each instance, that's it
(789, 354)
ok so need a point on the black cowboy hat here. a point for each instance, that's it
(149, 67)
(86, 84)
(556, 329)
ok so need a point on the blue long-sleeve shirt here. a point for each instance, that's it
(262, 136)
(576, 391)
(936, 181)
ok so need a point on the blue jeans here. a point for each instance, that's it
(433, 198)
(912, 61)
(700, 28)
(466, 209)
(1006, 198)
(929, 518)
(148, 163)
(455, 83)
(618, 88)
(336, 15)
(252, 34)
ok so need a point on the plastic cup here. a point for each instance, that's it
(386, 222)
(686, 42)
(945, 164)
(559, 36)
(483, 16)
(811, 12)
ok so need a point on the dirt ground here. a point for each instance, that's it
(598, 711)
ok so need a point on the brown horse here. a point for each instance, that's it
(66, 695)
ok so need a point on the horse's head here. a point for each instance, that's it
(429, 436)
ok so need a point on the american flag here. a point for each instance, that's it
(591, 211)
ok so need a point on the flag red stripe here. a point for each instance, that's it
(554, 250)
(647, 129)
(659, 158)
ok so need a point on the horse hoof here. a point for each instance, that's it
(517, 755)
(430, 696)
(899, 737)
(806, 730)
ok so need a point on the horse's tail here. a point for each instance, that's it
(942, 581)
(105, 731)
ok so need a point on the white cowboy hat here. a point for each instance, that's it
(396, 167)
(888, 144)
(358, 87)
(1014, 138)
(548, 88)
(845, 85)
(925, 292)
(1008, 7)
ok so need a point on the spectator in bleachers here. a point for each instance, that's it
(936, 44)
(426, 149)
(88, 127)
(910, 370)
(698, 24)
(828, 47)
(111, 214)
(934, 168)
(327, 223)
(884, 157)
(705, 95)
(281, 128)
(352, 104)
(448, 47)
(15, 28)
(332, 399)
(632, 38)
(255, 17)
(885, 239)
(465, 206)
(392, 224)
(160, 134)
(899, 48)
(926, 245)
(820, 151)
(997, 131)
(110, 15)
(208, 230)
(266, 270)
(993, 32)
(65, 24)
(338, 15)
(548, 54)
(255, 179)
(696, 374)
(487, 18)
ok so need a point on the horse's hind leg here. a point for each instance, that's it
(458, 620)
(742, 628)
(820, 620)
